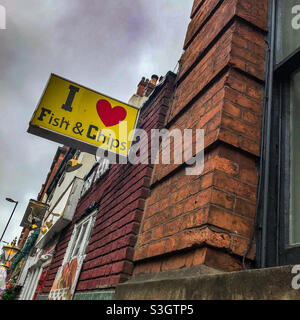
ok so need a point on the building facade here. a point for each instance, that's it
(136, 225)
(238, 80)
(208, 219)
(101, 238)
(60, 195)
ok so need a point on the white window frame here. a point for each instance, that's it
(74, 241)
(32, 279)
(102, 168)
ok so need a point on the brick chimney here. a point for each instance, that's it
(154, 79)
(144, 89)
(150, 85)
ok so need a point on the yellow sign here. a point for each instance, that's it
(71, 114)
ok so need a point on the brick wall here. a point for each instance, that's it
(123, 191)
(208, 219)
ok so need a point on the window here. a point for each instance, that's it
(80, 238)
(95, 175)
(67, 275)
(278, 232)
(31, 282)
(294, 222)
(102, 168)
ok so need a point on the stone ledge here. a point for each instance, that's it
(203, 283)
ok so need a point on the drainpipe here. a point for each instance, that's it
(267, 135)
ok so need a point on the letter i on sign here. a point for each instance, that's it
(68, 105)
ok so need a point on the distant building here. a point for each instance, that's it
(59, 194)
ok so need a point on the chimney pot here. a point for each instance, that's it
(154, 79)
(141, 87)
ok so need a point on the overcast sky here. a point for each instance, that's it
(106, 45)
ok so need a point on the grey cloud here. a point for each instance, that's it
(107, 45)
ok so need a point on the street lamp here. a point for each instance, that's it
(16, 203)
(9, 252)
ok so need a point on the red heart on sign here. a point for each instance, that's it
(110, 116)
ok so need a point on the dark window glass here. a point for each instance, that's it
(294, 230)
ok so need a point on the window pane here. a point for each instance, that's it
(288, 31)
(84, 242)
(80, 240)
(77, 232)
(295, 159)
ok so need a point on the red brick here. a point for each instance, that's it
(254, 11)
(198, 218)
(234, 186)
(222, 199)
(230, 222)
(206, 181)
(222, 261)
(196, 5)
(156, 248)
(226, 166)
(148, 267)
(202, 74)
(231, 109)
(249, 145)
(197, 201)
(200, 16)
(175, 262)
(245, 208)
(199, 256)
(239, 246)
